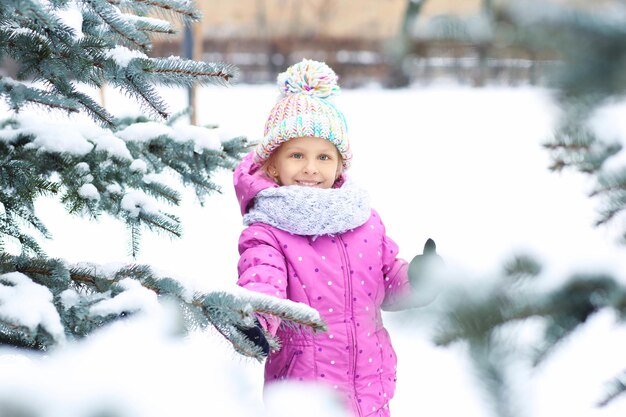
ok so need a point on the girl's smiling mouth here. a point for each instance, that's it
(308, 183)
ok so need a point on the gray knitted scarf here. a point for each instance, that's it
(311, 211)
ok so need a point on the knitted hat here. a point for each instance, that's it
(304, 109)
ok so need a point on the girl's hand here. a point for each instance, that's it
(256, 336)
(424, 265)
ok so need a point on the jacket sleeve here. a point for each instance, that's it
(262, 268)
(396, 275)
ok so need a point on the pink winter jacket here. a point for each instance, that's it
(348, 278)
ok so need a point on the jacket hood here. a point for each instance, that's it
(249, 179)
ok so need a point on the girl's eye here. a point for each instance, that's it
(324, 157)
(296, 155)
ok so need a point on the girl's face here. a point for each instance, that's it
(306, 161)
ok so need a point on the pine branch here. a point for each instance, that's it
(611, 188)
(577, 147)
(521, 267)
(160, 222)
(135, 237)
(163, 192)
(151, 25)
(16, 94)
(94, 109)
(146, 94)
(65, 89)
(225, 311)
(218, 306)
(614, 182)
(487, 321)
(107, 170)
(119, 25)
(20, 337)
(28, 244)
(48, 50)
(283, 309)
(28, 8)
(15, 213)
(565, 309)
(178, 7)
(186, 72)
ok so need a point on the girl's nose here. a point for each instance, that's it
(310, 167)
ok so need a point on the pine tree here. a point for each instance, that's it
(589, 48)
(107, 166)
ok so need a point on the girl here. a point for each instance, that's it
(312, 237)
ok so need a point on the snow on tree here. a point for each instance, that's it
(109, 165)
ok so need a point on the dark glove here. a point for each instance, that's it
(255, 335)
(425, 264)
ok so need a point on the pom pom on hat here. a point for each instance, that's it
(304, 110)
(309, 77)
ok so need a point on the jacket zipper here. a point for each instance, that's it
(350, 326)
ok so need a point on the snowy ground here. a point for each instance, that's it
(463, 166)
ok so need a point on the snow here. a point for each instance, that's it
(300, 309)
(285, 399)
(82, 167)
(141, 132)
(69, 298)
(114, 188)
(203, 138)
(136, 201)
(105, 140)
(122, 55)
(461, 165)
(135, 297)
(79, 136)
(106, 270)
(89, 192)
(139, 165)
(47, 136)
(134, 368)
(155, 178)
(29, 304)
